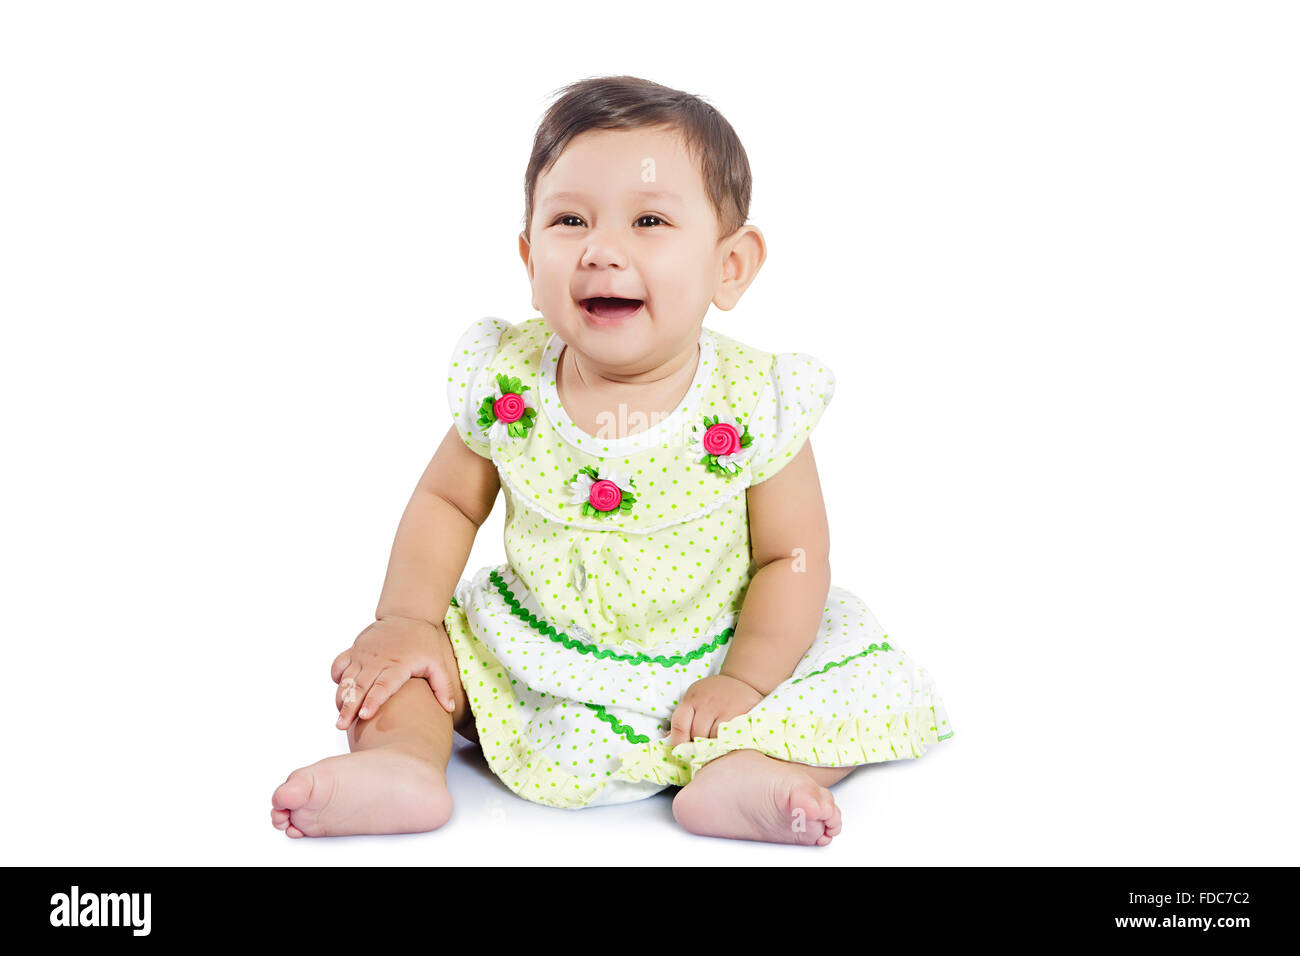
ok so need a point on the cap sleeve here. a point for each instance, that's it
(798, 389)
(469, 357)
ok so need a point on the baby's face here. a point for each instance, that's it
(624, 213)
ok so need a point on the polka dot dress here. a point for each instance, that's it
(627, 561)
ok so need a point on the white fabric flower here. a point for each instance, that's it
(580, 488)
(733, 463)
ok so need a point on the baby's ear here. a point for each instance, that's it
(525, 253)
(747, 253)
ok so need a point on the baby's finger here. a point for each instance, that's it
(713, 727)
(348, 679)
(346, 693)
(385, 684)
(440, 683)
(340, 664)
(701, 723)
(680, 728)
(352, 690)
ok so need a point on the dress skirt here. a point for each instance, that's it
(570, 723)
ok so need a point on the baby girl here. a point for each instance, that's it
(665, 614)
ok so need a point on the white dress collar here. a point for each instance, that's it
(676, 423)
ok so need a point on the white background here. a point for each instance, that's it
(1050, 251)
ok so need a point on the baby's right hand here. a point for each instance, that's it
(385, 656)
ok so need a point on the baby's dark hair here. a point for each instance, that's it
(629, 102)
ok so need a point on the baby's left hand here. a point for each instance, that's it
(707, 703)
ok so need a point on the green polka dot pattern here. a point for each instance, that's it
(576, 650)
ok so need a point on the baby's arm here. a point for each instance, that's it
(790, 541)
(782, 609)
(453, 498)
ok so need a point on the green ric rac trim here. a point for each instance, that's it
(453, 601)
(870, 650)
(624, 729)
(574, 644)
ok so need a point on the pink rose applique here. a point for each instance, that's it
(507, 413)
(602, 491)
(723, 444)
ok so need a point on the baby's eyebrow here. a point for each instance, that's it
(639, 193)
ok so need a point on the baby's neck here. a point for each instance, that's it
(593, 399)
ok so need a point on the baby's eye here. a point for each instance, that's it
(577, 220)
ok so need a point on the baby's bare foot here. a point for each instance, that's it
(379, 790)
(746, 795)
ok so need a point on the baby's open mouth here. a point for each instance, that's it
(610, 308)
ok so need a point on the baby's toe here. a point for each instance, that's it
(830, 829)
(293, 793)
(835, 823)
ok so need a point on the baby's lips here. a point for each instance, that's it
(611, 307)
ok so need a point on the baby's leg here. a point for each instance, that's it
(747, 795)
(393, 781)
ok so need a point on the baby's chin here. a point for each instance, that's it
(623, 349)
(627, 336)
